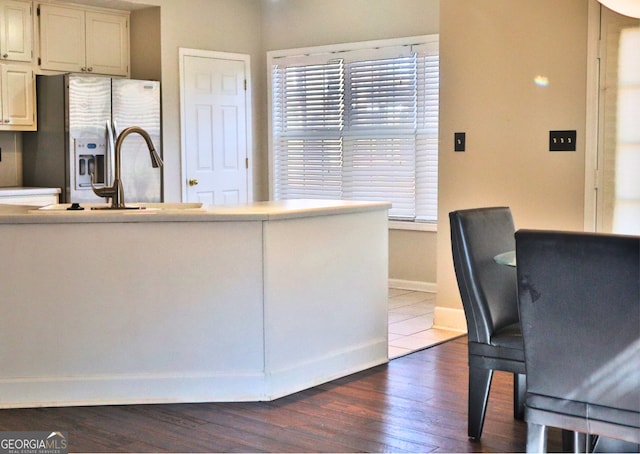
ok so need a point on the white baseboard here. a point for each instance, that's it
(417, 286)
(297, 376)
(449, 318)
(205, 386)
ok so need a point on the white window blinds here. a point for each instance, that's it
(360, 125)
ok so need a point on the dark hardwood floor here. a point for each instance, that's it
(417, 403)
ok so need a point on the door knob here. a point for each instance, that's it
(193, 182)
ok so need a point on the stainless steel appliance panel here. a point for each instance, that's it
(137, 103)
(89, 114)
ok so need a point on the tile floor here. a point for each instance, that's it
(411, 322)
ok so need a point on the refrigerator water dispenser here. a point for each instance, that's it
(90, 158)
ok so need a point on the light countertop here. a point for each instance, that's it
(24, 191)
(257, 211)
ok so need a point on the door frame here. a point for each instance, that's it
(595, 125)
(246, 59)
(592, 132)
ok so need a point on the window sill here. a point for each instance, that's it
(412, 225)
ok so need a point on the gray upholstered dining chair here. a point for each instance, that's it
(488, 292)
(579, 300)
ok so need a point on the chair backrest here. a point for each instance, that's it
(579, 297)
(488, 289)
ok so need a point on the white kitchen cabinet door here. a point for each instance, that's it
(18, 95)
(16, 30)
(107, 43)
(62, 38)
(85, 41)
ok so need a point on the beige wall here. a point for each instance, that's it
(412, 257)
(302, 23)
(491, 51)
(146, 54)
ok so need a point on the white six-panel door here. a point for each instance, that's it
(215, 127)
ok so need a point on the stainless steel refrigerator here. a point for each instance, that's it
(79, 118)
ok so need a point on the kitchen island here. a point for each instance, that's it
(236, 303)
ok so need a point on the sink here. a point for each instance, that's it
(142, 207)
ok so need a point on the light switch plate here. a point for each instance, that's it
(562, 140)
(459, 141)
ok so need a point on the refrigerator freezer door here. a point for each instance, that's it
(89, 109)
(137, 103)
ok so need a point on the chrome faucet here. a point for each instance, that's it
(116, 191)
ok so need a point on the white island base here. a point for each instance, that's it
(223, 304)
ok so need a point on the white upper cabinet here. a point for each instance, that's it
(62, 39)
(107, 43)
(78, 40)
(18, 98)
(16, 30)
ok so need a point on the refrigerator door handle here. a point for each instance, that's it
(110, 158)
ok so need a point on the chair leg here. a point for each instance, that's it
(519, 391)
(580, 442)
(479, 384)
(536, 437)
(575, 442)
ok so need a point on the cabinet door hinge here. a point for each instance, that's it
(245, 85)
(246, 163)
(38, 11)
(39, 61)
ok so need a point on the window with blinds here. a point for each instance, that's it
(358, 124)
